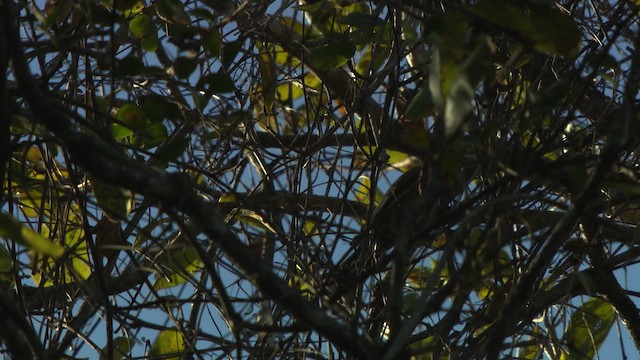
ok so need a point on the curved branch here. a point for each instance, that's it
(172, 191)
(609, 286)
(356, 99)
(16, 332)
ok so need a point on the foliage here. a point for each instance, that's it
(321, 179)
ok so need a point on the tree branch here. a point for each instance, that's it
(173, 191)
(609, 286)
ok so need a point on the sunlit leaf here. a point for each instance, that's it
(372, 59)
(424, 349)
(179, 261)
(120, 132)
(74, 239)
(251, 218)
(32, 204)
(532, 351)
(267, 68)
(168, 342)
(288, 91)
(588, 328)
(299, 281)
(418, 276)
(281, 57)
(310, 228)
(398, 160)
(115, 201)
(362, 192)
(11, 229)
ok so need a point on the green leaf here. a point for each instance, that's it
(179, 261)
(533, 348)
(590, 286)
(449, 35)
(267, 68)
(120, 132)
(435, 80)
(143, 30)
(251, 218)
(116, 202)
(298, 280)
(6, 270)
(168, 342)
(369, 61)
(420, 106)
(302, 29)
(459, 99)
(132, 116)
(362, 192)
(154, 135)
(12, 229)
(310, 228)
(543, 28)
(158, 108)
(75, 241)
(331, 56)
(288, 91)
(145, 131)
(172, 11)
(588, 328)
(6, 262)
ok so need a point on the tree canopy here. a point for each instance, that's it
(327, 179)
